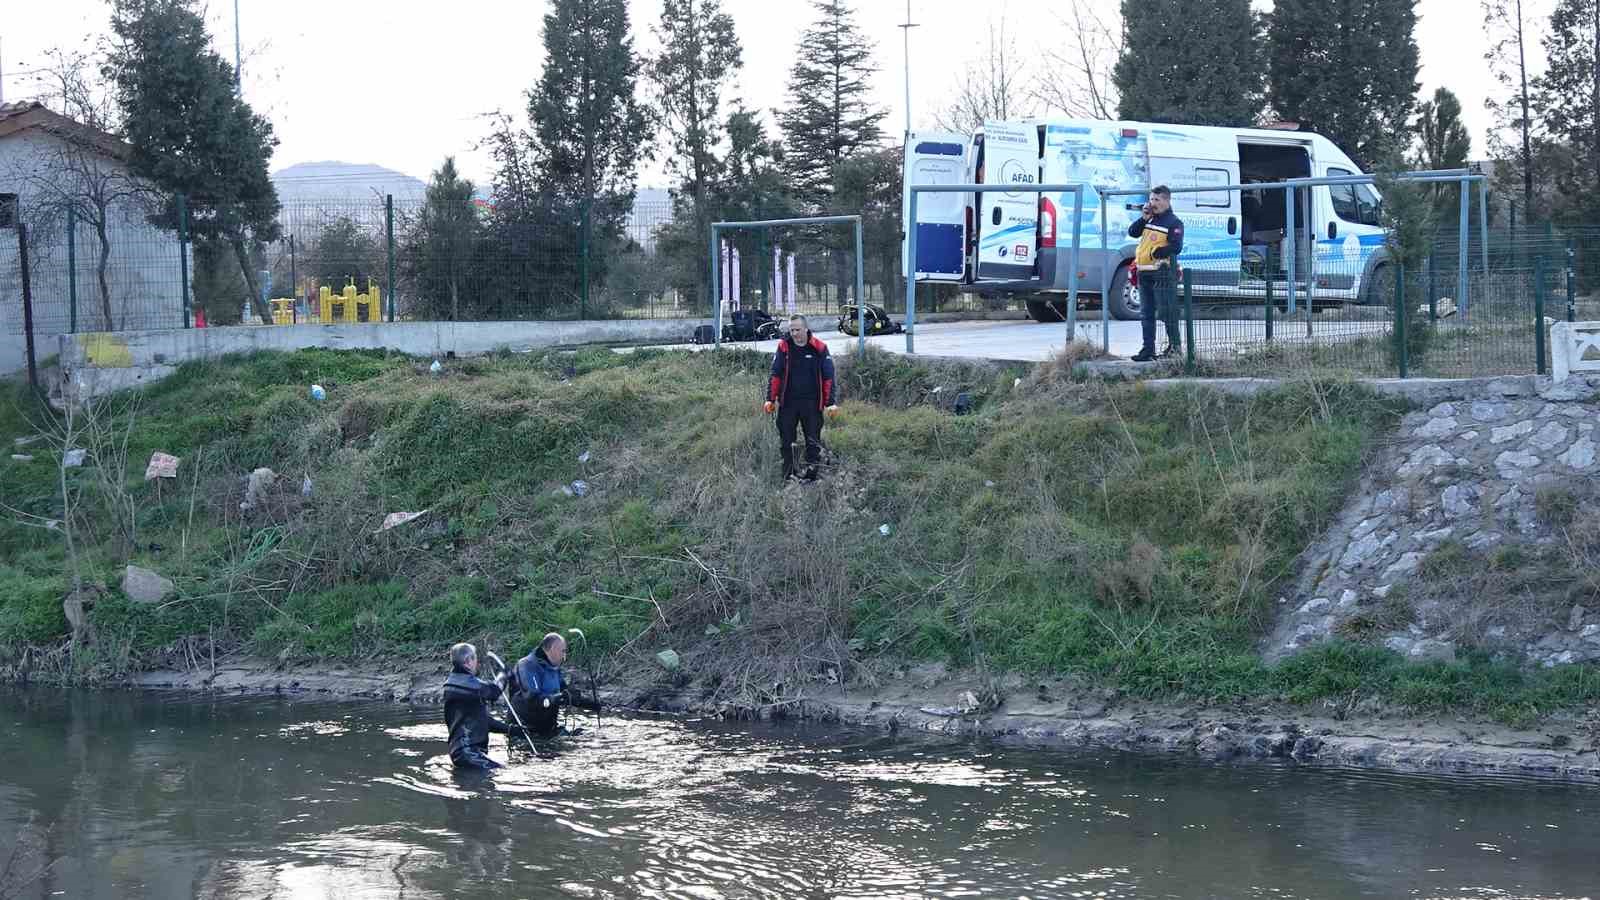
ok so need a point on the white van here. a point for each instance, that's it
(1018, 243)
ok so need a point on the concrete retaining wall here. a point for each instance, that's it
(14, 354)
(96, 364)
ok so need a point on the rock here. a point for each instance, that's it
(1424, 458)
(1511, 387)
(1569, 391)
(1367, 527)
(1580, 455)
(1483, 540)
(1551, 436)
(1497, 632)
(1435, 537)
(1515, 463)
(1436, 428)
(1488, 411)
(1400, 644)
(1390, 499)
(1509, 498)
(1563, 658)
(145, 586)
(1360, 552)
(1510, 432)
(256, 485)
(1575, 618)
(1432, 651)
(668, 660)
(1382, 591)
(1314, 606)
(1407, 564)
(1348, 599)
(1458, 499)
(1468, 436)
(1443, 410)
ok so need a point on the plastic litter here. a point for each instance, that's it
(580, 488)
(73, 458)
(436, 368)
(317, 393)
(305, 486)
(884, 529)
(584, 457)
(162, 465)
(399, 518)
(21, 457)
(668, 660)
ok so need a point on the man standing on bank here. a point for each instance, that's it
(1160, 235)
(801, 391)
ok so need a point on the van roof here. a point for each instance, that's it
(1275, 135)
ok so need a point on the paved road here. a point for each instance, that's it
(1028, 341)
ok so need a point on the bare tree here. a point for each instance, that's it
(80, 170)
(1076, 78)
(1505, 27)
(993, 87)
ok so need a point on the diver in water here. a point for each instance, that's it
(539, 688)
(466, 710)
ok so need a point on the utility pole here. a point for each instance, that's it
(2, 73)
(905, 30)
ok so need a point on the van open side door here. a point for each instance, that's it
(1008, 221)
(938, 157)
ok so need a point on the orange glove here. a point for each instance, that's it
(769, 406)
(832, 410)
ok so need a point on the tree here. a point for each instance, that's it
(1443, 143)
(1078, 79)
(829, 115)
(991, 88)
(1189, 61)
(191, 134)
(871, 182)
(1567, 98)
(587, 124)
(699, 51)
(1506, 29)
(344, 251)
(439, 246)
(1346, 69)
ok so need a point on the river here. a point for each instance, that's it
(176, 795)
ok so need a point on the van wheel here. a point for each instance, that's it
(1124, 296)
(1047, 311)
(1379, 289)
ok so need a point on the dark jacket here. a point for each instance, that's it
(466, 712)
(1160, 240)
(534, 680)
(801, 372)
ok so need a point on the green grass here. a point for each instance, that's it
(1133, 538)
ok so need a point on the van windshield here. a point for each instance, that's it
(1357, 204)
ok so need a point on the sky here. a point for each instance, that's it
(367, 82)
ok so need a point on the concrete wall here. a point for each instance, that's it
(100, 363)
(13, 353)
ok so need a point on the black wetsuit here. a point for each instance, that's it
(466, 712)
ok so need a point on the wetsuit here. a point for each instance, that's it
(466, 713)
(538, 691)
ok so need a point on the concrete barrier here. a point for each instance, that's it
(96, 364)
(14, 354)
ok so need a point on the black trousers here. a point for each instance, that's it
(1158, 294)
(802, 413)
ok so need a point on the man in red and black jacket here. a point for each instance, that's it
(801, 390)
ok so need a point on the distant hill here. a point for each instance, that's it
(334, 181)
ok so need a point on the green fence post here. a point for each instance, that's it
(1270, 304)
(388, 230)
(183, 257)
(1401, 351)
(1538, 313)
(1433, 299)
(1188, 319)
(72, 269)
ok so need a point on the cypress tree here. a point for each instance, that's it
(1191, 61)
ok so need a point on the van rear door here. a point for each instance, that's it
(1197, 158)
(1008, 221)
(938, 157)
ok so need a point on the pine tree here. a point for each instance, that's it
(699, 51)
(1443, 143)
(1204, 71)
(190, 133)
(440, 244)
(587, 125)
(1346, 69)
(829, 115)
(1567, 98)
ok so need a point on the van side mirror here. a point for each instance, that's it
(996, 216)
(1233, 225)
(1333, 230)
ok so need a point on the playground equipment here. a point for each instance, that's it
(350, 306)
(282, 311)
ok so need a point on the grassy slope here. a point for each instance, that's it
(1131, 537)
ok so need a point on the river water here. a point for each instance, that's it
(167, 795)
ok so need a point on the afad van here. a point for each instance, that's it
(1005, 243)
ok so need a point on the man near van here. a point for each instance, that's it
(1160, 235)
(800, 391)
